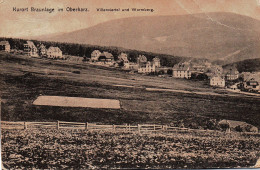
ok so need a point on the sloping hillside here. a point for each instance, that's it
(224, 36)
(250, 65)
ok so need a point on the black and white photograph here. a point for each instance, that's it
(130, 84)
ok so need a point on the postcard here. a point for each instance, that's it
(130, 84)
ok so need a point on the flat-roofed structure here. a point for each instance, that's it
(64, 101)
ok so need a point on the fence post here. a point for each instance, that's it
(139, 129)
(58, 125)
(25, 125)
(87, 126)
(129, 127)
(114, 128)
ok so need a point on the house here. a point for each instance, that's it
(249, 75)
(251, 84)
(54, 53)
(232, 125)
(123, 58)
(217, 81)
(106, 58)
(157, 62)
(42, 50)
(30, 49)
(95, 55)
(231, 73)
(146, 68)
(141, 59)
(5, 46)
(133, 66)
(182, 70)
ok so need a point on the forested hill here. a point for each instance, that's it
(250, 65)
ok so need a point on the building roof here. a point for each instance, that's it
(183, 67)
(30, 43)
(156, 59)
(95, 52)
(252, 82)
(231, 71)
(217, 77)
(54, 49)
(123, 57)
(4, 43)
(141, 58)
(107, 55)
(248, 76)
(41, 46)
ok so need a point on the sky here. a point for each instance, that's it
(25, 24)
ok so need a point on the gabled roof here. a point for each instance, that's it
(231, 71)
(123, 57)
(252, 82)
(156, 59)
(183, 67)
(30, 43)
(4, 43)
(248, 76)
(107, 55)
(54, 49)
(95, 52)
(141, 58)
(217, 77)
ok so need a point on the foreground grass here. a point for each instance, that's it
(79, 149)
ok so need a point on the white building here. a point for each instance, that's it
(147, 67)
(106, 58)
(42, 50)
(157, 62)
(95, 55)
(5, 46)
(141, 59)
(217, 81)
(123, 58)
(54, 53)
(30, 49)
(182, 70)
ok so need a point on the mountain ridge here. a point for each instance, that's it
(210, 35)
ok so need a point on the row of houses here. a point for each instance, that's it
(217, 75)
(141, 66)
(41, 51)
(34, 51)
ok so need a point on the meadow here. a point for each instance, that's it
(23, 79)
(81, 149)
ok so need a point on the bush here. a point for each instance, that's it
(76, 72)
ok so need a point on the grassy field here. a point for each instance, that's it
(23, 79)
(80, 149)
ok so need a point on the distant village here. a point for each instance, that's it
(215, 75)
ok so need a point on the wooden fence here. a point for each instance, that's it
(140, 128)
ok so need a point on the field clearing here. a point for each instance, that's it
(64, 101)
(80, 149)
(24, 79)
